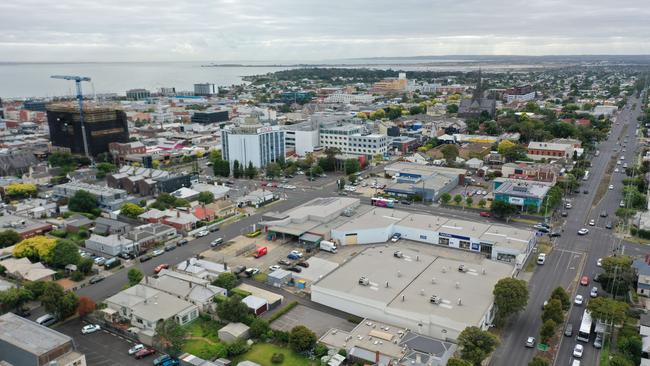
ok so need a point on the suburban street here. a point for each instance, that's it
(574, 256)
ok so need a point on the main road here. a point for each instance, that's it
(574, 256)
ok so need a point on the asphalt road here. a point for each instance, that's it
(573, 255)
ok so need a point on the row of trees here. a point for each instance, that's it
(52, 296)
(57, 253)
(445, 198)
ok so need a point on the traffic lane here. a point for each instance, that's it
(101, 348)
(543, 282)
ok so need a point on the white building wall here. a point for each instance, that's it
(244, 148)
(306, 141)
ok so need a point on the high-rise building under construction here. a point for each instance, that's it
(103, 125)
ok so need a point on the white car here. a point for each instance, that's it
(578, 300)
(583, 231)
(157, 252)
(202, 233)
(592, 222)
(274, 267)
(90, 328)
(577, 351)
(616, 170)
(289, 186)
(611, 186)
(100, 260)
(296, 253)
(599, 262)
(133, 350)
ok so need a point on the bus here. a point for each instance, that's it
(586, 175)
(585, 327)
(382, 202)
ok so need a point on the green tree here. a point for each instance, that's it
(273, 170)
(83, 201)
(36, 288)
(561, 294)
(85, 265)
(458, 199)
(458, 362)
(607, 309)
(476, 344)
(259, 328)
(352, 166)
(316, 171)
(538, 361)
(618, 275)
(237, 170)
(206, 197)
(9, 238)
(445, 198)
(232, 310)
(131, 210)
(301, 339)
(449, 152)
(469, 201)
(510, 297)
(104, 168)
(58, 301)
(547, 331)
(135, 276)
(251, 171)
(14, 298)
(632, 347)
(482, 203)
(64, 252)
(170, 336)
(620, 360)
(452, 108)
(220, 167)
(502, 209)
(553, 311)
(236, 348)
(226, 280)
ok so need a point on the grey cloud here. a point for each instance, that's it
(230, 30)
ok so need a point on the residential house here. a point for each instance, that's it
(218, 191)
(195, 290)
(35, 208)
(144, 306)
(186, 194)
(151, 233)
(104, 226)
(549, 150)
(76, 222)
(535, 172)
(642, 266)
(223, 208)
(201, 268)
(112, 245)
(181, 221)
(204, 213)
(23, 269)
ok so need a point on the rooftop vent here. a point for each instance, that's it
(435, 299)
(363, 281)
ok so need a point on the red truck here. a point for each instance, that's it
(260, 252)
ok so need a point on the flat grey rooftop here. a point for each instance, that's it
(407, 283)
(30, 336)
(376, 218)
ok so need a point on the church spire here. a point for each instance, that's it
(478, 92)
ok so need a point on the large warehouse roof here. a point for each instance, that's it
(407, 284)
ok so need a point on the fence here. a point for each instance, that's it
(245, 249)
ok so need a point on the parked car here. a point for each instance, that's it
(99, 261)
(568, 331)
(565, 214)
(46, 320)
(594, 292)
(239, 269)
(202, 233)
(598, 342)
(170, 247)
(599, 262)
(484, 214)
(133, 350)
(303, 264)
(182, 242)
(216, 242)
(294, 269)
(396, 237)
(125, 255)
(160, 267)
(146, 352)
(584, 280)
(250, 272)
(541, 258)
(555, 234)
(95, 279)
(160, 360)
(274, 267)
(145, 258)
(157, 252)
(90, 328)
(284, 262)
(608, 225)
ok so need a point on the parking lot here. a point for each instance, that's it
(101, 348)
(318, 321)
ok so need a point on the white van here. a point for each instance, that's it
(541, 258)
(575, 363)
(46, 320)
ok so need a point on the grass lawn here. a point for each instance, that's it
(205, 328)
(604, 354)
(205, 350)
(261, 353)
(261, 277)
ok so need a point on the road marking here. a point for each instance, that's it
(570, 251)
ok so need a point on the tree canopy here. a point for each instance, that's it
(83, 201)
(64, 252)
(135, 276)
(9, 238)
(206, 197)
(170, 336)
(131, 210)
(35, 248)
(607, 309)
(226, 280)
(476, 344)
(510, 297)
(301, 339)
(232, 309)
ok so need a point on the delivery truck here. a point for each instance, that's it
(328, 246)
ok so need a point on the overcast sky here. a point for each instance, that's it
(303, 30)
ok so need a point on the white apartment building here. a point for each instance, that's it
(520, 97)
(253, 142)
(350, 98)
(349, 139)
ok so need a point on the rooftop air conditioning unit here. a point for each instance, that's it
(363, 281)
(435, 299)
